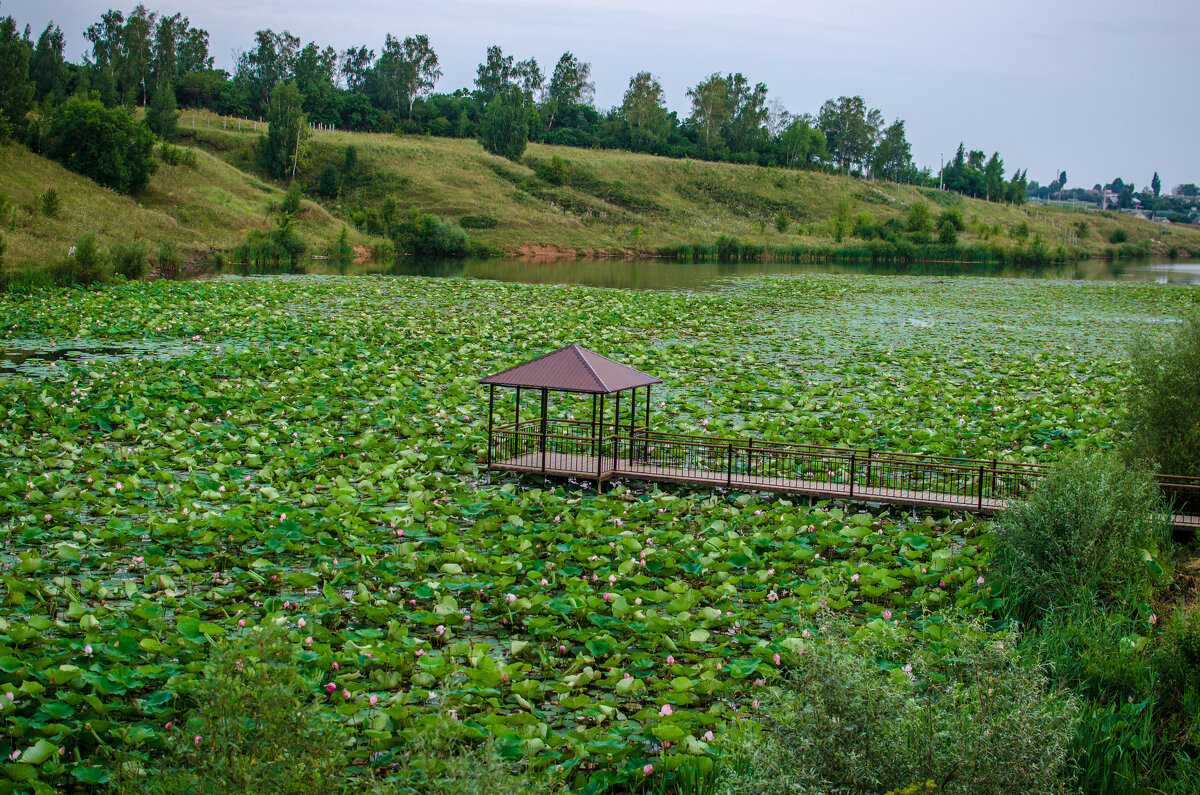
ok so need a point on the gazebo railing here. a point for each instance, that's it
(575, 447)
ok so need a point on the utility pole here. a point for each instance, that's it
(941, 171)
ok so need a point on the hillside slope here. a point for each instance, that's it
(199, 208)
(602, 199)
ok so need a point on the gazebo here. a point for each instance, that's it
(563, 445)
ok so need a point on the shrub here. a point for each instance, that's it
(477, 222)
(330, 183)
(170, 261)
(980, 721)
(428, 235)
(954, 217)
(782, 222)
(50, 203)
(341, 251)
(104, 144)
(256, 727)
(1162, 422)
(1090, 529)
(86, 264)
(946, 234)
(1118, 236)
(291, 200)
(918, 219)
(129, 258)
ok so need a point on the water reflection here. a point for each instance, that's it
(658, 274)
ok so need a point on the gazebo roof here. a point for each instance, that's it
(572, 369)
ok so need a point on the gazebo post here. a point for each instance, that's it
(592, 436)
(632, 420)
(545, 426)
(491, 406)
(647, 423)
(600, 444)
(617, 428)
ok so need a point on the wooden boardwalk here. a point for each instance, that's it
(589, 467)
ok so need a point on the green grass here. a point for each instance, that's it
(602, 197)
(209, 207)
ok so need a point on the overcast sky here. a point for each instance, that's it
(1100, 88)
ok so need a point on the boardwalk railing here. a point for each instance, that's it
(576, 448)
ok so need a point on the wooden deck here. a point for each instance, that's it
(589, 467)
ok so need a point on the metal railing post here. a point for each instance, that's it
(868, 467)
(853, 458)
(729, 465)
(981, 487)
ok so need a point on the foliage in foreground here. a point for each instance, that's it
(1093, 526)
(1163, 420)
(979, 720)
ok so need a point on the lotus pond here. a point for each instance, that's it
(307, 452)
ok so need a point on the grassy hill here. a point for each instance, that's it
(200, 208)
(602, 199)
(557, 200)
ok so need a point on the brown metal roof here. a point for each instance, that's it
(573, 369)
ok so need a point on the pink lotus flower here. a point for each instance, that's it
(301, 623)
(440, 629)
(196, 740)
(308, 640)
(419, 652)
(241, 622)
(329, 688)
(666, 710)
(648, 769)
(670, 659)
(708, 736)
(1153, 618)
(607, 596)
(979, 579)
(887, 614)
(336, 666)
(511, 598)
(562, 649)
(775, 658)
(373, 699)
(345, 693)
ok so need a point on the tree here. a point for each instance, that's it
(47, 67)
(355, 67)
(710, 109)
(107, 55)
(850, 130)
(1156, 185)
(745, 128)
(530, 78)
(493, 74)
(644, 110)
(104, 144)
(1187, 189)
(134, 78)
(892, 158)
(505, 127)
(269, 64)
(1161, 419)
(160, 117)
(314, 71)
(16, 92)
(569, 85)
(405, 70)
(425, 71)
(282, 149)
(802, 144)
(993, 178)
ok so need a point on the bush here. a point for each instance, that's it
(918, 219)
(428, 235)
(170, 261)
(946, 234)
(1090, 530)
(980, 721)
(85, 264)
(330, 183)
(782, 222)
(50, 203)
(1118, 236)
(104, 144)
(291, 200)
(256, 727)
(1162, 422)
(129, 258)
(477, 222)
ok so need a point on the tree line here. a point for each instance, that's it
(160, 62)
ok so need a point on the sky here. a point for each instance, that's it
(1098, 88)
